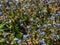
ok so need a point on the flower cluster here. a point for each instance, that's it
(30, 22)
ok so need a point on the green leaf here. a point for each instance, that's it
(2, 40)
(16, 30)
(2, 25)
(1, 30)
(19, 35)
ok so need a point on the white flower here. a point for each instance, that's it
(37, 18)
(16, 16)
(44, 25)
(31, 19)
(5, 34)
(7, 42)
(32, 5)
(7, 7)
(47, 25)
(54, 22)
(16, 0)
(28, 27)
(28, 31)
(39, 26)
(25, 13)
(52, 17)
(25, 6)
(7, 22)
(2, 1)
(57, 36)
(16, 39)
(39, 12)
(20, 20)
(45, 10)
(21, 24)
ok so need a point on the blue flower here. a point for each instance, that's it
(58, 25)
(52, 30)
(42, 41)
(39, 30)
(53, 36)
(58, 12)
(25, 37)
(10, 2)
(51, 1)
(52, 17)
(0, 6)
(42, 33)
(1, 13)
(6, 17)
(55, 15)
(19, 41)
